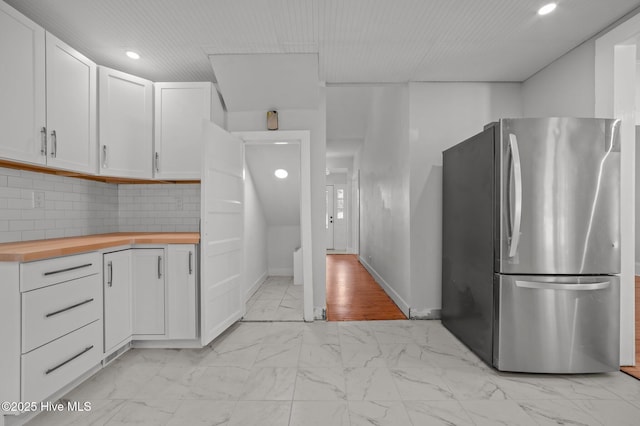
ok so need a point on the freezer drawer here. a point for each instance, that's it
(556, 324)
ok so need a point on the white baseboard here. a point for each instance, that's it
(256, 285)
(281, 272)
(404, 306)
(424, 314)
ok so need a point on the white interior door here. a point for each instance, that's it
(221, 234)
(328, 217)
(340, 217)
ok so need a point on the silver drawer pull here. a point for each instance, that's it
(73, 268)
(563, 286)
(190, 262)
(69, 308)
(51, 370)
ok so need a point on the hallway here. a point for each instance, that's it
(353, 294)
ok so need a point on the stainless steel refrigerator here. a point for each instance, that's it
(531, 244)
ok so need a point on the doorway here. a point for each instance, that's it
(338, 220)
(272, 222)
(285, 236)
(616, 85)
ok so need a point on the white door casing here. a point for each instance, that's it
(303, 137)
(221, 234)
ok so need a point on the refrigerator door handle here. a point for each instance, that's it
(563, 286)
(517, 176)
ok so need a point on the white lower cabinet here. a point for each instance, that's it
(61, 318)
(117, 299)
(181, 292)
(148, 291)
(61, 323)
(51, 367)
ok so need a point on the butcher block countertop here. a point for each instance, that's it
(26, 251)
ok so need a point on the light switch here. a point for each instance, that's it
(38, 200)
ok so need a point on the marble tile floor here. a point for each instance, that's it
(381, 373)
(277, 299)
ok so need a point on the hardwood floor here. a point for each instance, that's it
(353, 294)
(635, 371)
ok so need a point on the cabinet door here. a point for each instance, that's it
(71, 108)
(126, 124)
(179, 111)
(181, 291)
(148, 291)
(117, 299)
(22, 112)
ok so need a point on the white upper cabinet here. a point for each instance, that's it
(179, 111)
(47, 113)
(71, 108)
(22, 85)
(126, 125)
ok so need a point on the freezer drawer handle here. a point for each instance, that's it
(517, 175)
(69, 308)
(62, 364)
(73, 268)
(563, 286)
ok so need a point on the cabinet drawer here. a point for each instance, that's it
(42, 273)
(51, 312)
(53, 366)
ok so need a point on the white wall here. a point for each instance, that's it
(255, 237)
(637, 218)
(637, 269)
(565, 87)
(315, 122)
(442, 115)
(282, 241)
(384, 183)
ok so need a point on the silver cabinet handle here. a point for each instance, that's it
(159, 267)
(104, 157)
(62, 364)
(517, 174)
(157, 161)
(73, 268)
(43, 141)
(190, 262)
(110, 274)
(68, 308)
(563, 286)
(54, 144)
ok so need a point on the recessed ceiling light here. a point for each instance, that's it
(547, 8)
(281, 143)
(281, 173)
(132, 54)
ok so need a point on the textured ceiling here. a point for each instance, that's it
(355, 40)
(280, 198)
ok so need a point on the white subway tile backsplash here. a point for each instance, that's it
(162, 207)
(74, 207)
(19, 182)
